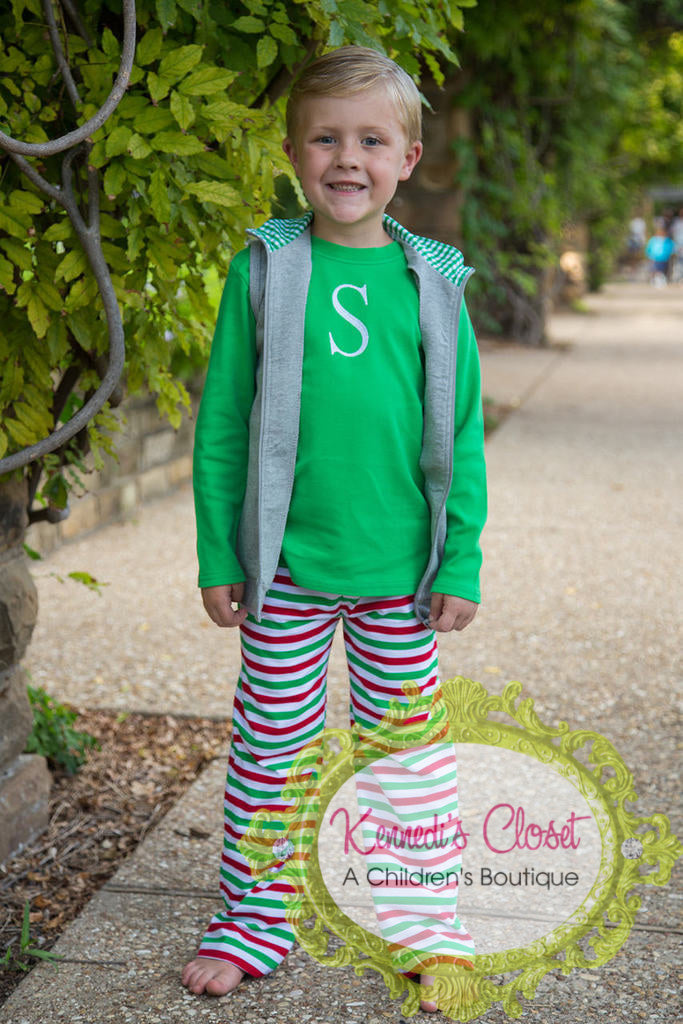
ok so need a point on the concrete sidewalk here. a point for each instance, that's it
(582, 599)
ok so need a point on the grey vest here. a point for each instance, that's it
(280, 272)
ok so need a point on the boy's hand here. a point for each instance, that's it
(218, 602)
(447, 612)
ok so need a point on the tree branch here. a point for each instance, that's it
(68, 196)
(74, 138)
(93, 198)
(78, 24)
(62, 63)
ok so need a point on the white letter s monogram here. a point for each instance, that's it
(351, 319)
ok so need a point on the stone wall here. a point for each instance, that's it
(24, 779)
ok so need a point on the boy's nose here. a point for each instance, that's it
(347, 154)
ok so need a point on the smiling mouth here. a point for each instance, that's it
(346, 187)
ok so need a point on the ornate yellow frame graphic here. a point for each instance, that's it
(635, 851)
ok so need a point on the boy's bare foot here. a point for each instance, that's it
(215, 977)
(427, 1004)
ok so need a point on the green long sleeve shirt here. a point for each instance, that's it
(358, 521)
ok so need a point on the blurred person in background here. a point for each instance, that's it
(659, 251)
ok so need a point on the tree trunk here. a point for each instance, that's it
(24, 779)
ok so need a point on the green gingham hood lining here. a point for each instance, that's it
(445, 258)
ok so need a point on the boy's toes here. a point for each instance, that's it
(215, 977)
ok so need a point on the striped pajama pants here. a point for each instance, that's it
(280, 707)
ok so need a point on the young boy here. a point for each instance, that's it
(338, 451)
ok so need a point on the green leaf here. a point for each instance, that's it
(149, 47)
(223, 115)
(193, 7)
(56, 491)
(48, 294)
(136, 243)
(215, 192)
(153, 119)
(56, 341)
(336, 34)
(18, 253)
(266, 51)
(166, 13)
(98, 154)
(26, 201)
(110, 44)
(206, 80)
(11, 381)
(158, 196)
(35, 358)
(11, 59)
(164, 257)
(182, 110)
(114, 179)
(8, 84)
(178, 62)
(159, 86)
(14, 222)
(38, 315)
(39, 421)
(88, 581)
(58, 232)
(283, 32)
(248, 23)
(214, 165)
(7, 276)
(79, 295)
(73, 265)
(114, 255)
(117, 142)
(457, 20)
(21, 434)
(44, 954)
(177, 143)
(138, 147)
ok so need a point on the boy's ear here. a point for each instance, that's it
(413, 154)
(290, 151)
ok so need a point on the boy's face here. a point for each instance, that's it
(349, 154)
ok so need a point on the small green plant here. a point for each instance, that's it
(20, 960)
(85, 578)
(53, 735)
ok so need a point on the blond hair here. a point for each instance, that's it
(350, 70)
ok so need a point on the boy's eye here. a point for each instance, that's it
(325, 139)
(371, 140)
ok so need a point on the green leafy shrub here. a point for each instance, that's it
(53, 735)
